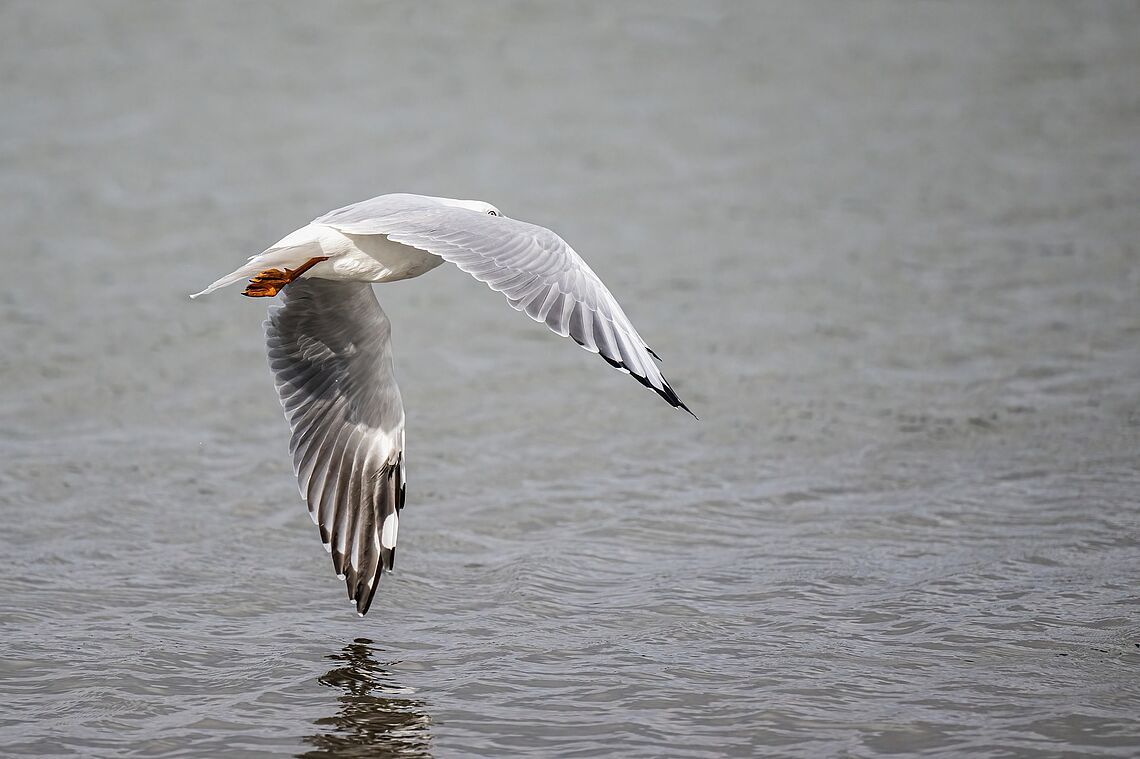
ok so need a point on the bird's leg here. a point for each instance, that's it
(269, 282)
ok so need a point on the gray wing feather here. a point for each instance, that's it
(331, 355)
(537, 271)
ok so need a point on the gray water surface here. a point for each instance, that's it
(887, 250)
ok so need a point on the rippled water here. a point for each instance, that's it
(887, 250)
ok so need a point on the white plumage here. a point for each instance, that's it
(330, 351)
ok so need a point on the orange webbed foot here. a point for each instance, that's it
(269, 282)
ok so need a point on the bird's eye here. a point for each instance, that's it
(493, 212)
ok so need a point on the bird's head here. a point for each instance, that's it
(472, 205)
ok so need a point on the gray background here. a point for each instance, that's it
(888, 251)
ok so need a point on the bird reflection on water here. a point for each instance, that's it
(377, 716)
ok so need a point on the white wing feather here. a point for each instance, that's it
(331, 355)
(537, 271)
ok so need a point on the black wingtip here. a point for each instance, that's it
(667, 392)
(681, 405)
(670, 395)
(365, 594)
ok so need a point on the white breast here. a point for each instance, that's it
(360, 258)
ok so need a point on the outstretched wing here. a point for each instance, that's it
(534, 268)
(331, 355)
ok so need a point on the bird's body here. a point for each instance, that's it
(331, 355)
(353, 258)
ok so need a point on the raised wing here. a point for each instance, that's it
(538, 272)
(331, 355)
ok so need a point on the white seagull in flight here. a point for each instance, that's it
(331, 353)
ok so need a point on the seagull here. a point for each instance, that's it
(330, 349)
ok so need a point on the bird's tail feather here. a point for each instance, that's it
(288, 256)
